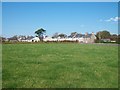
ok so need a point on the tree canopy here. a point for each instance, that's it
(73, 34)
(103, 34)
(56, 35)
(62, 35)
(40, 33)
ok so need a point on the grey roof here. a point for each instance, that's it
(12, 39)
(82, 35)
(78, 35)
(29, 38)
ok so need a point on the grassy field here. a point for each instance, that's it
(0, 66)
(59, 66)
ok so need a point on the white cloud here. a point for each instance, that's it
(115, 19)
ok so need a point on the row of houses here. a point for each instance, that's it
(82, 38)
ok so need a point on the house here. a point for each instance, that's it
(50, 39)
(3, 39)
(106, 40)
(28, 39)
(12, 39)
(82, 38)
(89, 38)
(85, 38)
(35, 39)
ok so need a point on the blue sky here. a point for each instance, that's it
(60, 0)
(0, 18)
(23, 18)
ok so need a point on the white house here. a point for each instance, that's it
(50, 39)
(35, 39)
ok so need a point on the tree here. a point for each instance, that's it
(2, 39)
(73, 34)
(114, 37)
(40, 33)
(56, 35)
(118, 38)
(78, 35)
(63, 35)
(103, 34)
(15, 37)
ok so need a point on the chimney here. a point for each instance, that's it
(86, 33)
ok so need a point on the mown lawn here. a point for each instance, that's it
(59, 66)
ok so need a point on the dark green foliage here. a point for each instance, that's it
(40, 33)
(62, 35)
(103, 34)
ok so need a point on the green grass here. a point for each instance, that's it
(0, 66)
(59, 66)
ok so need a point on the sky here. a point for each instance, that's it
(60, 0)
(24, 18)
(0, 18)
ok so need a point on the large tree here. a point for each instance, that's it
(103, 34)
(40, 33)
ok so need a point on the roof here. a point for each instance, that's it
(12, 39)
(81, 35)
